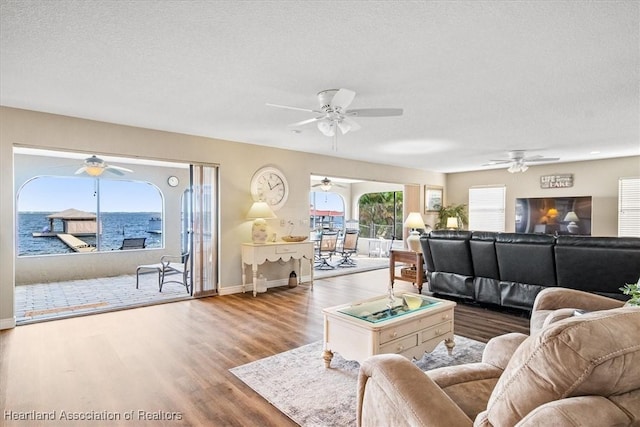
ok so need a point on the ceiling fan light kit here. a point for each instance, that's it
(334, 115)
(326, 184)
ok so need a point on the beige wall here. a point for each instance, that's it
(237, 164)
(598, 179)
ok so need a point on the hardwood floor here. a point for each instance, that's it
(172, 361)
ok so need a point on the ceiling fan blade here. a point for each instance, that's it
(541, 159)
(114, 171)
(375, 112)
(347, 124)
(294, 108)
(497, 162)
(79, 171)
(305, 122)
(342, 99)
(118, 168)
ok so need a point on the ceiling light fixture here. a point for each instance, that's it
(518, 167)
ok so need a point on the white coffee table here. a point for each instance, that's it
(377, 326)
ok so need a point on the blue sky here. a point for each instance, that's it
(326, 201)
(55, 194)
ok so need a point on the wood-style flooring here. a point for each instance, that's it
(169, 361)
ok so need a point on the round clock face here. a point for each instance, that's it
(269, 185)
(173, 181)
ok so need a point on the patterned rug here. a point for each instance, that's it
(297, 383)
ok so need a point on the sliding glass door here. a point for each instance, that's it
(203, 231)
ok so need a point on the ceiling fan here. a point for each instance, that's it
(95, 166)
(333, 114)
(326, 184)
(519, 161)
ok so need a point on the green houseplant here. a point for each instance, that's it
(632, 289)
(457, 211)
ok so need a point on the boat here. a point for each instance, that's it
(155, 225)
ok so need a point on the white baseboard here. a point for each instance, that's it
(8, 323)
(228, 290)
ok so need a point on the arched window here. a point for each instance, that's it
(61, 215)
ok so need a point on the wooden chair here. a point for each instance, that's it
(326, 249)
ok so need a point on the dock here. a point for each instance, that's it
(74, 243)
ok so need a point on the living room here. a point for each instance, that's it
(31, 121)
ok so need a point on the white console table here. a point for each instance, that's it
(255, 254)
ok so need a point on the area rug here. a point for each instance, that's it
(297, 383)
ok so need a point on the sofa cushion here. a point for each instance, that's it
(450, 251)
(612, 261)
(526, 258)
(596, 354)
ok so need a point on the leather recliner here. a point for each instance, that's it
(573, 372)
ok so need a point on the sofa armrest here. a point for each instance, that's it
(582, 411)
(499, 349)
(555, 298)
(394, 391)
(550, 300)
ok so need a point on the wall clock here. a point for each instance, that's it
(269, 184)
(173, 181)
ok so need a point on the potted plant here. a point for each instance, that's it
(456, 211)
(632, 289)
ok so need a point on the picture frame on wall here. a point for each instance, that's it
(432, 199)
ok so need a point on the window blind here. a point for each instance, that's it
(486, 208)
(629, 207)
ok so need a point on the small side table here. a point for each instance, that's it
(415, 259)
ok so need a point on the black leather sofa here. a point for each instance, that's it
(509, 269)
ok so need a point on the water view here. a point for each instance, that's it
(116, 226)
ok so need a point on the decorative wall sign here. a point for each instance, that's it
(564, 180)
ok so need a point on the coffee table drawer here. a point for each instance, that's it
(436, 331)
(397, 331)
(400, 345)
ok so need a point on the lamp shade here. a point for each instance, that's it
(452, 222)
(571, 217)
(414, 220)
(260, 210)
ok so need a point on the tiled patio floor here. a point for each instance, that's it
(48, 301)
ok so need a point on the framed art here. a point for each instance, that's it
(432, 199)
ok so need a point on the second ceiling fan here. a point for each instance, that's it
(519, 161)
(333, 114)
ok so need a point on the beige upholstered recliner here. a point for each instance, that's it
(553, 304)
(580, 371)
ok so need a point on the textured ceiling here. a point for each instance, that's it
(475, 79)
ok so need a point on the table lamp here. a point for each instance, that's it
(260, 212)
(572, 218)
(414, 220)
(452, 223)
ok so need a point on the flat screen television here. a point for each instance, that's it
(554, 215)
